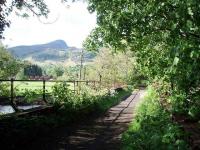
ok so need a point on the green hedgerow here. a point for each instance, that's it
(152, 128)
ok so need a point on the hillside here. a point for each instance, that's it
(24, 51)
(53, 52)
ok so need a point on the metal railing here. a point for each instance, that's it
(75, 84)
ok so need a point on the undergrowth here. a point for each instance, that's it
(153, 128)
(68, 108)
(66, 101)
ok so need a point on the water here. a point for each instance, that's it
(6, 109)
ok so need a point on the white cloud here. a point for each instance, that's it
(73, 25)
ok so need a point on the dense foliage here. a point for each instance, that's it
(164, 36)
(153, 128)
(8, 64)
(88, 100)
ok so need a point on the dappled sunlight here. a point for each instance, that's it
(74, 74)
(104, 131)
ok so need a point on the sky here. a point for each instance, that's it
(70, 22)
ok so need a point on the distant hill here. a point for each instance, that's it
(52, 52)
(24, 51)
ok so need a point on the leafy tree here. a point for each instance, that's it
(71, 73)
(53, 70)
(164, 36)
(8, 64)
(59, 71)
(111, 68)
(9, 67)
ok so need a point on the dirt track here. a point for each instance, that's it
(103, 133)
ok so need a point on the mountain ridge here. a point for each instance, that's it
(55, 51)
(23, 50)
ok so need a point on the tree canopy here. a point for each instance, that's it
(164, 35)
(129, 20)
(8, 64)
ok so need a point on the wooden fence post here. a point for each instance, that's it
(77, 87)
(74, 86)
(14, 106)
(44, 88)
(12, 91)
(100, 81)
(94, 85)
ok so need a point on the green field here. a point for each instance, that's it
(21, 86)
(32, 85)
(31, 90)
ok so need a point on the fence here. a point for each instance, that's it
(75, 84)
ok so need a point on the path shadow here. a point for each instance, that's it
(104, 133)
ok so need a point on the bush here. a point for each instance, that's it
(88, 101)
(4, 89)
(31, 95)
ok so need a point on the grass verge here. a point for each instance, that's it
(153, 128)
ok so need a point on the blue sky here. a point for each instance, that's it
(73, 25)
